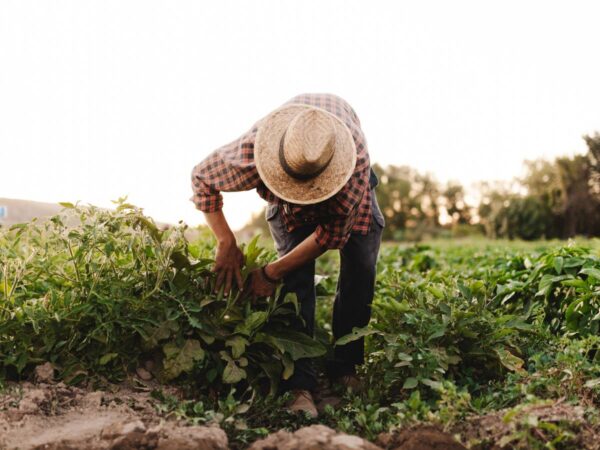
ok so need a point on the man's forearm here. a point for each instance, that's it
(306, 251)
(219, 226)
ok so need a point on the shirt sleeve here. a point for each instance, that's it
(230, 168)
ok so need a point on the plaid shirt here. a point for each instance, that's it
(232, 168)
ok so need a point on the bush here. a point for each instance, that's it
(96, 292)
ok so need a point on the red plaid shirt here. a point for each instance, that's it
(232, 168)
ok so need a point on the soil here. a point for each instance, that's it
(317, 437)
(53, 416)
(419, 438)
(58, 417)
(490, 431)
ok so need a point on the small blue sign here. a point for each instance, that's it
(3, 212)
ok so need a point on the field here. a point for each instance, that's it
(111, 337)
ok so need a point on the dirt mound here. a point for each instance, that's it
(59, 417)
(419, 438)
(315, 437)
(534, 421)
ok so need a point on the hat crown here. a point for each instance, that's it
(309, 142)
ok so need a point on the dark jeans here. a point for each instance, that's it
(352, 305)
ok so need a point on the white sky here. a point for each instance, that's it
(109, 98)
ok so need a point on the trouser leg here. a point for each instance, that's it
(300, 282)
(352, 304)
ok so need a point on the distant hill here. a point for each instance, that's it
(18, 211)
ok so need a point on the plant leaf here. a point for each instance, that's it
(508, 360)
(232, 373)
(252, 323)
(356, 334)
(297, 344)
(591, 272)
(559, 262)
(181, 359)
(410, 383)
(107, 358)
(288, 366)
(238, 345)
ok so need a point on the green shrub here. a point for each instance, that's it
(98, 292)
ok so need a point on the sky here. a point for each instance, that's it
(101, 99)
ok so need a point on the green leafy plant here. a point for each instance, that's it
(457, 331)
(98, 292)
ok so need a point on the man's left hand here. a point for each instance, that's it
(259, 286)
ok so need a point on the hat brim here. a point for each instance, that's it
(302, 192)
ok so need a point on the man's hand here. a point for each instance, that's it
(228, 263)
(229, 258)
(259, 286)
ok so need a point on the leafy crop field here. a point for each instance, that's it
(490, 343)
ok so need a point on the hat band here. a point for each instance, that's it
(291, 172)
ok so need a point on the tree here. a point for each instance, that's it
(455, 203)
(593, 143)
(561, 199)
(581, 209)
(409, 201)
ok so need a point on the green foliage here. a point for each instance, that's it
(456, 330)
(428, 326)
(473, 317)
(97, 292)
(560, 287)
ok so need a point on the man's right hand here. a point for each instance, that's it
(228, 263)
(229, 258)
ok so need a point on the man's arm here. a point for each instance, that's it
(230, 168)
(308, 250)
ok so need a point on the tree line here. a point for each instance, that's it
(557, 198)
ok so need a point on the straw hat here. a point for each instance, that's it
(304, 154)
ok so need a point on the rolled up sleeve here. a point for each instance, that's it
(206, 198)
(230, 168)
